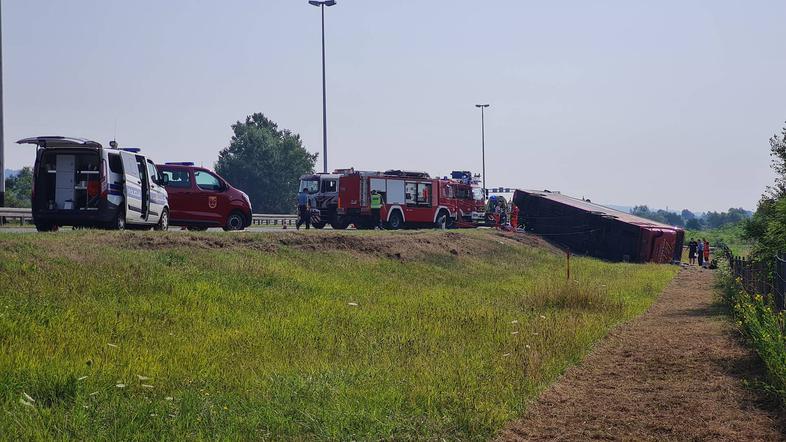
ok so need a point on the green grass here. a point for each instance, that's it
(240, 342)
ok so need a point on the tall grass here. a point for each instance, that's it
(761, 325)
(183, 343)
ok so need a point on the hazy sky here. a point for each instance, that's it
(668, 103)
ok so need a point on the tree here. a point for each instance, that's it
(768, 225)
(19, 188)
(693, 224)
(687, 215)
(671, 218)
(778, 164)
(265, 162)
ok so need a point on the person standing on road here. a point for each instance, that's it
(701, 252)
(304, 214)
(693, 247)
(376, 207)
(706, 253)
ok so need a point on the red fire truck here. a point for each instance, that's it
(409, 199)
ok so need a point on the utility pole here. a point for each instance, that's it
(483, 142)
(321, 5)
(2, 135)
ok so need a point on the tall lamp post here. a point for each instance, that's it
(2, 143)
(483, 142)
(321, 5)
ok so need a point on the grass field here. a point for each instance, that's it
(410, 335)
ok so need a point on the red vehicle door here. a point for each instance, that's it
(179, 185)
(209, 198)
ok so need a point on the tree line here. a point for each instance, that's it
(692, 221)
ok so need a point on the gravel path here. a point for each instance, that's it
(676, 373)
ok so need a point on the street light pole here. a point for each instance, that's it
(483, 142)
(2, 141)
(321, 5)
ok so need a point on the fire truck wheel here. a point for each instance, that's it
(396, 221)
(444, 221)
(339, 225)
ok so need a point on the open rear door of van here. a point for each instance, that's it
(132, 189)
(59, 142)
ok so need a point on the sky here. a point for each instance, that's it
(668, 103)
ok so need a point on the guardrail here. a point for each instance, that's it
(13, 213)
(257, 219)
(263, 219)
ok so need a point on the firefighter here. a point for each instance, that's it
(514, 217)
(376, 206)
(304, 214)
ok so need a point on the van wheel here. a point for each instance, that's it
(163, 223)
(46, 227)
(236, 221)
(396, 221)
(120, 221)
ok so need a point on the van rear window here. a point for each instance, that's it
(115, 163)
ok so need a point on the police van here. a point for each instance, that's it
(78, 182)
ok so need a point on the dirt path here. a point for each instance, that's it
(676, 373)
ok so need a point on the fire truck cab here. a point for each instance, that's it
(322, 189)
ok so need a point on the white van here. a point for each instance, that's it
(78, 182)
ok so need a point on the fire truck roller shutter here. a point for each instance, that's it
(395, 192)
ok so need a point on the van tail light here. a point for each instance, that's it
(339, 202)
(104, 180)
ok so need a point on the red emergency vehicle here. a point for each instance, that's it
(199, 198)
(409, 199)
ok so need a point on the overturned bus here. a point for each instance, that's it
(595, 230)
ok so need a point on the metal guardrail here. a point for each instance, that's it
(257, 219)
(13, 213)
(263, 219)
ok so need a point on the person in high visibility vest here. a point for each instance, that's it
(376, 207)
(514, 217)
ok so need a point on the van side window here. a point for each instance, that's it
(177, 178)
(152, 172)
(207, 181)
(115, 163)
(130, 166)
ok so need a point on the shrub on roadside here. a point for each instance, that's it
(763, 327)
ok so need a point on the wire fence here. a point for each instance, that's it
(760, 277)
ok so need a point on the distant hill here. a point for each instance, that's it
(11, 173)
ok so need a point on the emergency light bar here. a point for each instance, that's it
(131, 149)
(180, 163)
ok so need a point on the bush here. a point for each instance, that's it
(760, 324)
